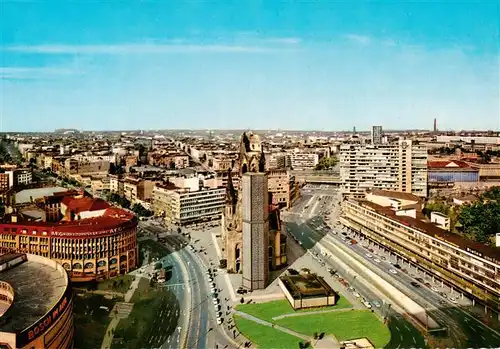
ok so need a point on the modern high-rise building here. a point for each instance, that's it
(376, 134)
(255, 230)
(399, 166)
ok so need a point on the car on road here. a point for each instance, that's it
(383, 258)
(453, 300)
(367, 304)
(376, 304)
(369, 255)
(376, 260)
(397, 266)
(420, 280)
(393, 271)
(241, 291)
(415, 284)
(435, 289)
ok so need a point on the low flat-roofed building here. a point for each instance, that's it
(451, 171)
(307, 291)
(36, 303)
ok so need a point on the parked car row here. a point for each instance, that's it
(215, 297)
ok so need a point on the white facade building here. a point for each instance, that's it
(400, 166)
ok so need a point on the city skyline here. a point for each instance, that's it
(322, 66)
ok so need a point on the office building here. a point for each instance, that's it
(376, 135)
(255, 230)
(399, 166)
(182, 206)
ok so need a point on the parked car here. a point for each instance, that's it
(393, 271)
(376, 304)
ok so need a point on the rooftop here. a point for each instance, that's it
(25, 196)
(394, 194)
(455, 164)
(37, 289)
(306, 286)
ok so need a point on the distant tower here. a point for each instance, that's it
(435, 125)
(376, 134)
(255, 230)
(354, 129)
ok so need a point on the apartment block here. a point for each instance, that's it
(399, 166)
(471, 267)
(304, 160)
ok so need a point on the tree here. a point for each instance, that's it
(480, 220)
(141, 211)
(326, 163)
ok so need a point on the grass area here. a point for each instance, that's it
(156, 249)
(265, 337)
(152, 320)
(344, 325)
(117, 284)
(266, 311)
(90, 321)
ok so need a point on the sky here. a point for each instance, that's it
(249, 64)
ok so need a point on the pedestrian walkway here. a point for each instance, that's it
(304, 313)
(269, 324)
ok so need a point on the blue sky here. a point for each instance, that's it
(322, 65)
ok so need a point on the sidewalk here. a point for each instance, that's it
(269, 324)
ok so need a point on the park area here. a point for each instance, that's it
(91, 319)
(151, 320)
(340, 320)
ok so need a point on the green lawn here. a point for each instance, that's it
(156, 249)
(344, 325)
(118, 284)
(265, 337)
(153, 318)
(90, 321)
(266, 311)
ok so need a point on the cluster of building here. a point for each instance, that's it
(408, 164)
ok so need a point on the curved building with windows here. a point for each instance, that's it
(36, 304)
(88, 237)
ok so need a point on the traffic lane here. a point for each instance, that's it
(198, 305)
(218, 335)
(403, 334)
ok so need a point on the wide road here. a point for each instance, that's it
(464, 329)
(203, 329)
